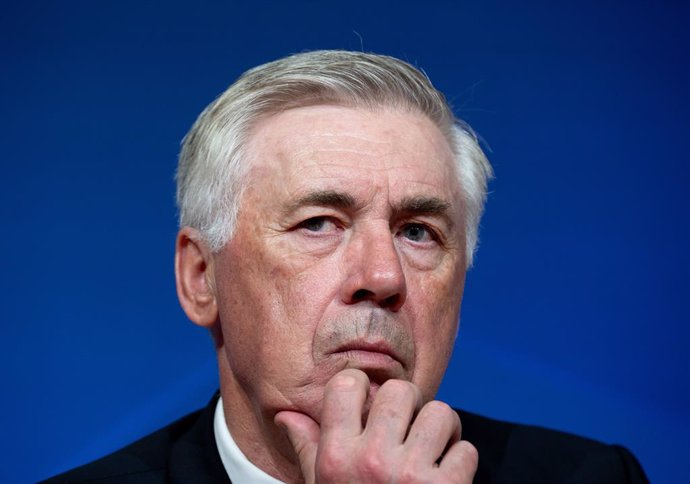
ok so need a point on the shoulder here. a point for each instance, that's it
(143, 461)
(517, 453)
(184, 451)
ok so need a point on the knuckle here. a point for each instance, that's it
(442, 409)
(330, 464)
(374, 467)
(470, 453)
(395, 395)
(409, 474)
(398, 386)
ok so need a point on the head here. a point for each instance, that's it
(329, 207)
(212, 168)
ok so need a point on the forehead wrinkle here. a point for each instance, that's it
(372, 151)
(334, 157)
(337, 135)
(328, 137)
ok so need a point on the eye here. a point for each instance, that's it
(318, 224)
(417, 233)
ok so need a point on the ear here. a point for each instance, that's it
(194, 278)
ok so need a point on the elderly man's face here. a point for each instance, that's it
(348, 253)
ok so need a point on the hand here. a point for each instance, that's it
(391, 447)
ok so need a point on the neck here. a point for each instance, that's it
(252, 428)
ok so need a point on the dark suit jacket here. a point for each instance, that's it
(185, 452)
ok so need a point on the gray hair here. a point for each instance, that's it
(211, 173)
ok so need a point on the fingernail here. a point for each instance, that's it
(344, 381)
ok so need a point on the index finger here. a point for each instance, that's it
(343, 404)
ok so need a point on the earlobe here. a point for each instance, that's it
(194, 278)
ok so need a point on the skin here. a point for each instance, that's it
(335, 306)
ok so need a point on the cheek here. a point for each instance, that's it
(303, 288)
(257, 279)
(437, 314)
(270, 306)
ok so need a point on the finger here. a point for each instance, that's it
(436, 426)
(303, 434)
(461, 461)
(343, 403)
(391, 413)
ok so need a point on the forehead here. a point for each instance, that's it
(360, 150)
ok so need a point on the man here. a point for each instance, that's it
(329, 205)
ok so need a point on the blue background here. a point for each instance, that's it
(575, 316)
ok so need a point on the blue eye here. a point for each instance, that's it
(318, 224)
(417, 233)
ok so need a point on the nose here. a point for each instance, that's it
(374, 271)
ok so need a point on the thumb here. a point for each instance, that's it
(304, 434)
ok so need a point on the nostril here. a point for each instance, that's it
(390, 301)
(361, 295)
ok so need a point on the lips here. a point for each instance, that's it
(373, 340)
(370, 352)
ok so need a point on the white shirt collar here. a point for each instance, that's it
(239, 469)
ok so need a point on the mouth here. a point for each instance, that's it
(372, 357)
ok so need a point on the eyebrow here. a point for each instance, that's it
(417, 205)
(324, 198)
(423, 205)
